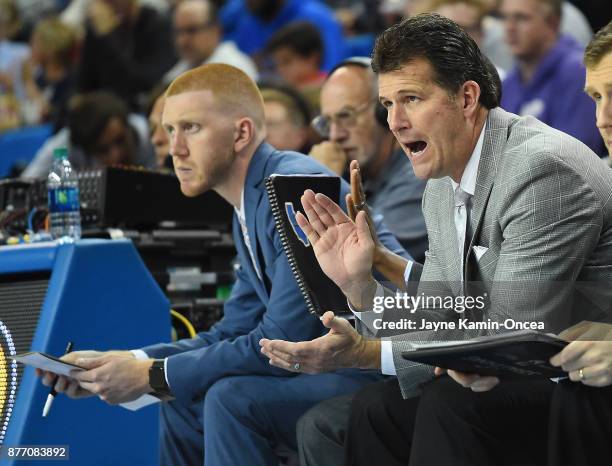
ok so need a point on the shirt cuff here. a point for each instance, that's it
(140, 354)
(407, 271)
(387, 366)
(380, 291)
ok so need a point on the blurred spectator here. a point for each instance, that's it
(12, 58)
(75, 14)
(32, 11)
(100, 132)
(50, 76)
(251, 23)
(127, 49)
(158, 136)
(355, 123)
(548, 80)
(573, 23)
(359, 17)
(287, 118)
(469, 14)
(297, 51)
(466, 13)
(197, 37)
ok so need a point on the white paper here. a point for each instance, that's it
(47, 363)
(141, 402)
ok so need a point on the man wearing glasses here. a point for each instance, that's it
(355, 128)
(197, 38)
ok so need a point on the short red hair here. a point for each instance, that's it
(232, 89)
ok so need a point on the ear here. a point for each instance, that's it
(244, 133)
(470, 96)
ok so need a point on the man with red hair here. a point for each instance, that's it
(230, 403)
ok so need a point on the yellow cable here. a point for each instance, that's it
(182, 318)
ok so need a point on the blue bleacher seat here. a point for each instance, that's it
(19, 146)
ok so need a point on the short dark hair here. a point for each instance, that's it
(300, 36)
(89, 114)
(600, 46)
(452, 53)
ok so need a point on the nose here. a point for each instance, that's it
(159, 137)
(337, 133)
(182, 42)
(604, 113)
(178, 146)
(397, 119)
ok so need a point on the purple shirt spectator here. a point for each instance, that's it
(556, 94)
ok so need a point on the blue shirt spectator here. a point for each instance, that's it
(251, 32)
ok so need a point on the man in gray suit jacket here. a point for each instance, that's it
(516, 212)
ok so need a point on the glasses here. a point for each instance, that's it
(345, 118)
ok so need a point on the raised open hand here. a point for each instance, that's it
(343, 248)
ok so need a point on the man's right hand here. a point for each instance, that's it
(331, 155)
(344, 249)
(68, 385)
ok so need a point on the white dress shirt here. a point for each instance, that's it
(241, 214)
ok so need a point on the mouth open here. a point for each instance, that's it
(416, 148)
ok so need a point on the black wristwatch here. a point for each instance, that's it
(157, 380)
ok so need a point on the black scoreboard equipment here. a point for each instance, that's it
(119, 197)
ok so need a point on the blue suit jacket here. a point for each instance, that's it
(272, 308)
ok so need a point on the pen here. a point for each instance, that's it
(52, 392)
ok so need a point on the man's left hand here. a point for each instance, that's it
(115, 379)
(588, 359)
(342, 347)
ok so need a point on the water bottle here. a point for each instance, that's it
(63, 198)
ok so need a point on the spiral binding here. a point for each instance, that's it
(280, 228)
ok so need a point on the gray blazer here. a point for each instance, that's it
(541, 219)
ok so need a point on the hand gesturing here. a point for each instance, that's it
(344, 248)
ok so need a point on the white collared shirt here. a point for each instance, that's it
(241, 214)
(468, 179)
